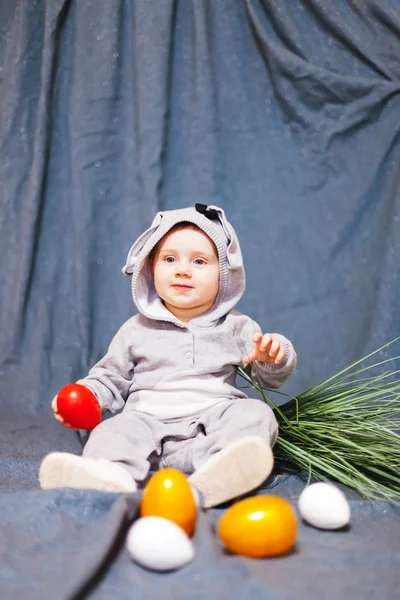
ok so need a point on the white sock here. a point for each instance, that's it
(60, 469)
(236, 470)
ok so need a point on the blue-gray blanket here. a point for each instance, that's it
(69, 544)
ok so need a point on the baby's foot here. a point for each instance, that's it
(60, 469)
(235, 470)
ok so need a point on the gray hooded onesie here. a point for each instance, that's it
(176, 380)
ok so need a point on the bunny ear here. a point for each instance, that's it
(139, 245)
(233, 252)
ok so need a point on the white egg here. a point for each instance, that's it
(324, 506)
(159, 544)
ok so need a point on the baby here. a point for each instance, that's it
(172, 368)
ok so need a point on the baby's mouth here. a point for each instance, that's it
(182, 286)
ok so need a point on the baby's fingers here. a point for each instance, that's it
(266, 341)
(274, 348)
(63, 422)
(281, 355)
(57, 415)
(257, 337)
(54, 405)
(249, 357)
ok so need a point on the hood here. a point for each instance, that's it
(212, 220)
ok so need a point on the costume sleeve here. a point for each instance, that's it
(111, 377)
(269, 374)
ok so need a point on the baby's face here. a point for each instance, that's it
(186, 272)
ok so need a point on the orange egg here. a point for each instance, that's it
(168, 494)
(259, 526)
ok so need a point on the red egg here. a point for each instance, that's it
(78, 406)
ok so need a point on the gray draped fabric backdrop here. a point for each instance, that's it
(284, 113)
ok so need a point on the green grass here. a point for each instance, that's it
(345, 429)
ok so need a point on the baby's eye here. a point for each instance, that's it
(199, 261)
(169, 259)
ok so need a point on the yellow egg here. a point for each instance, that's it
(168, 494)
(258, 527)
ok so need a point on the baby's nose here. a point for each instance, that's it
(183, 268)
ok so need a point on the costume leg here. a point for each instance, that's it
(234, 457)
(128, 439)
(116, 456)
(177, 443)
(230, 421)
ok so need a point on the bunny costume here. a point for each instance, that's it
(175, 381)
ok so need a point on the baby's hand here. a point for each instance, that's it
(268, 349)
(58, 416)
